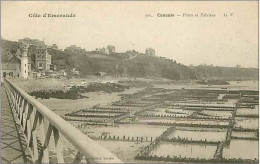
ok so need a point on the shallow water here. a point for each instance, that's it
(185, 150)
(233, 85)
(162, 112)
(246, 122)
(221, 114)
(248, 111)
(186, 121)
(128, 131)
(244, 134)
(198, 135)
(244, 149)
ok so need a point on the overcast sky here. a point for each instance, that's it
(219, 41)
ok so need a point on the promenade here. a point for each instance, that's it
(11, 144)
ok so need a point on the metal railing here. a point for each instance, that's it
(39, 123)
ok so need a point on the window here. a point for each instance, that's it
(40, 64)
(25, 65)
(25, 71)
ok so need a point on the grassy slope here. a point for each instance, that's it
(139, 66)
(227, 73)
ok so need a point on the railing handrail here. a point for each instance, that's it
(89, 148)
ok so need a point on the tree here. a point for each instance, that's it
(111, 49)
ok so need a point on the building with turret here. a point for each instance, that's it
(31, 56)
(18, 66)
(24, 62)
(37, 52)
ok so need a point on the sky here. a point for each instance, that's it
(218, 40)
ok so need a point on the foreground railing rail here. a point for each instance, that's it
(39, 123)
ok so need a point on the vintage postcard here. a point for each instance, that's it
(129, 82)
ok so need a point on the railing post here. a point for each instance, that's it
(15, 101)
(21, 107)
(58, 146)
(42, 134)
(45, 133)
(12, 95)
(27, 123)
(25, 114)
(34, 120)
(18, 104)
